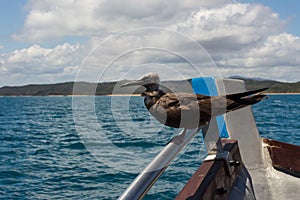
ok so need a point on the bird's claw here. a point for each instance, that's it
(178, 139)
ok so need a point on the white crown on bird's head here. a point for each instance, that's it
(150, 78)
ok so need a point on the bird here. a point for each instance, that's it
(189, 110)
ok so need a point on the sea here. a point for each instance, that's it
(62, 147)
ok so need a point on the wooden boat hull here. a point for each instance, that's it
(211, 180)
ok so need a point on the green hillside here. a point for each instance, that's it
(107, 88)
(274, 86)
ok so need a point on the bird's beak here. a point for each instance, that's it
(132, 83)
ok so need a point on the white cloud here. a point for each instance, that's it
(231, 27)
(245, 39)
(37, 61)
(277, 57)
(54, 19)
(277, 50)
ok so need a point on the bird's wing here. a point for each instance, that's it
(169, 100)
(186, 102)
(206, 105)
(195, 109)
(191, 96)
(187, 109)
(182, 100)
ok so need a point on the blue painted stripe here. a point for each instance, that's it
(207, 86)
(222, 127)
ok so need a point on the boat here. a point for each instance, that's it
(239, 164)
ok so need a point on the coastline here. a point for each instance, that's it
(123, 95)
(282, 93)
(77, 95)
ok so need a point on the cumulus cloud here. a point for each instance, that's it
(276, 57)
(54, 19)
(276, 50)
(155, 47)
(232, 26)
(51, 19)
(244, 39)
(38, 61)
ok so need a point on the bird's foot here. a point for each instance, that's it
(178, 139)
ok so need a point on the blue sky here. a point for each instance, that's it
(288, 10)
(13, 15)
(12, 18)
(48, 41)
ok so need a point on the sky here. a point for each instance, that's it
(52, 41)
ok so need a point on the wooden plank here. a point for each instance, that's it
(211, 180)
(284, 156)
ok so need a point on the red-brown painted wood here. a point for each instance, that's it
(285, 157)
(211, 180)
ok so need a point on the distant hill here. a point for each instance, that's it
(57, 89)
(113, 87)
(274, 86)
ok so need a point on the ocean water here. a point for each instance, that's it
(51, 150)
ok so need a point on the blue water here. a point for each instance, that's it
(43, 155)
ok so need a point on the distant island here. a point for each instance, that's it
(108, 88)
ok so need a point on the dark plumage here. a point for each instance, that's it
(187, 110)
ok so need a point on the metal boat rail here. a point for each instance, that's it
(142, 184)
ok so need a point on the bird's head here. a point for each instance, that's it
(150, 81)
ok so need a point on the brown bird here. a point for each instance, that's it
(187, 110)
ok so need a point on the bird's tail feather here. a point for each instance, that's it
(254, 99)
(246, 101)
(244, 94)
